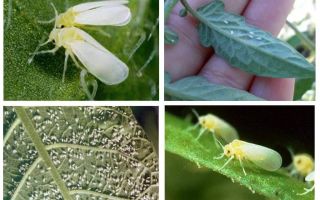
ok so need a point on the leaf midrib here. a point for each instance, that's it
(30, 129)
(226, 34)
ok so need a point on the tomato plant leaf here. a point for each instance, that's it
(197, 88)
(248, 47)
(273, 185)
(77, 153)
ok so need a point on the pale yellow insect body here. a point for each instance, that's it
(217, 127)
(261, 156)
(95, 58)
(303, 164)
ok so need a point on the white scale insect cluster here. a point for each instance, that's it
(99, 153)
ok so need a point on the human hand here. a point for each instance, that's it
(188, 57)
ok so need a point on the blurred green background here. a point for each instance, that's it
(277, 127)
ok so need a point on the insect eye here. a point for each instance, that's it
(62, 26)
(53, 41)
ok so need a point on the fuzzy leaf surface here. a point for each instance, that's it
(248, 47)
(96, 153)
(197, 88)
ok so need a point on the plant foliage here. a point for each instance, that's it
(273, 185)
(77, 153)
(195, 88)
(248, 47)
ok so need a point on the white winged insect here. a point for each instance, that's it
(261, 156)
(309, 178)
(99, 13)
(95, 58)
(217, 126)
(302, 165)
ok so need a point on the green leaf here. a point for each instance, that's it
(170, 37)
(77, 153)
(302, 86)
(248, 47)
(274, 185)
(197, 88)
(136, 44)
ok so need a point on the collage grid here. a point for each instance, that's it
(162, 104)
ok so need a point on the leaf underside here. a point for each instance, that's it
(248, 47)
(274, 185)
(136, 44)
(195, 88)
(99, 153)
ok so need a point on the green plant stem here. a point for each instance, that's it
(168, 6)
(193, 12)
(28, 125)
(309, 44)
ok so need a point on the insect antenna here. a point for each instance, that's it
(195, 113)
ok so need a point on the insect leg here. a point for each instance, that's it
(193, 127)
(225, 164)
(46, 21)
(219, 157)
(75, 61)
(219, 143)
(65, 66)
(84, 85)
(244, 171)
(216, 141)
(306, 191)
(46, 51)
(202, 131)
(41, 52)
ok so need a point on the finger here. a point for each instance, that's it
(269, 15)
(275, 89)
(285, 88)
(188, 56)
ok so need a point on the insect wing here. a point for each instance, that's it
(116, 15)
(263, 157)
(92, 5)
(99, 61)
(310, 177)
(225, 130)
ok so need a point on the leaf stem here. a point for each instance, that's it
(189, 9)
(309, 44)
(168, 6)
(30, 129)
